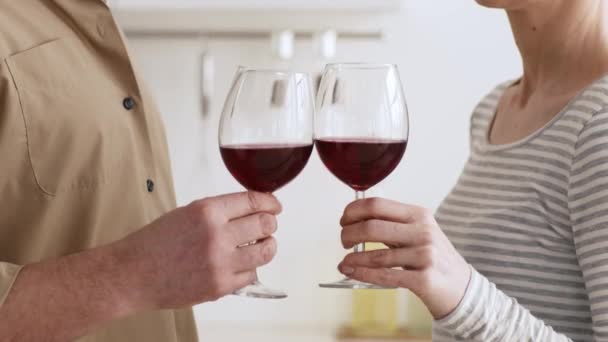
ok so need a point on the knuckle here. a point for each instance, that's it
(371, 227)
(394, 228)
(426, 212)
(203, 211)
(344, 219)
(253, 199)
(426, 236)
(360, 273)
(350, 259)
(206, 205)
(348, 209)
(268, 224)
(374, 204)
(427, 255)
(273, 202)
(425, 215)
(381, 257)
(345, 237)
(385, 276)
(269, 250)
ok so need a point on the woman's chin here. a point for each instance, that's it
(505, 4)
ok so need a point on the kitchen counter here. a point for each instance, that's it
(260, 333)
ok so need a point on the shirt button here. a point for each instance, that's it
(128, 103)
(150, 185)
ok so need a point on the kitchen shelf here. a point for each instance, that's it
(260, 5)
(229, 18)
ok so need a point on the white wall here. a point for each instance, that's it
(450, 53)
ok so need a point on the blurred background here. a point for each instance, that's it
(450, 53)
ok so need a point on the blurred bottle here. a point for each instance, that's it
(419, 321)
(375, 312)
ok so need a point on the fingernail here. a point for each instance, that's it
(347, 270)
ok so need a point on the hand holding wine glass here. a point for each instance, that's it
(266, 136)
(421, 258)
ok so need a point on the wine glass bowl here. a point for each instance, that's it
(361, 163)
(265, 167)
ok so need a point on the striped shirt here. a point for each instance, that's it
(531, 217)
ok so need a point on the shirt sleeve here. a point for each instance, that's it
(588, 202)
(8, 274)
(487, 314)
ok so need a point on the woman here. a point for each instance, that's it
(519, 250)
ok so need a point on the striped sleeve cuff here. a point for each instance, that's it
(468, 316)
(8, 274)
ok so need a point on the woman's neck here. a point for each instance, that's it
(560, 40)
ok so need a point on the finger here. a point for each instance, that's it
(383, 209)
(409, 258)
(250, 257)
(389, 233)
(246, 203)
(381, 276)
(252, 228)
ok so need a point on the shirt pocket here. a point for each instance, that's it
(73, 140)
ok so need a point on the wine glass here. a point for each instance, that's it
(266, 136)
(361, 130)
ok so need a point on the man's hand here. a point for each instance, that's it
(188, 256)
(193, 254)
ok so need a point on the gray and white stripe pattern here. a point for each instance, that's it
(531, 218)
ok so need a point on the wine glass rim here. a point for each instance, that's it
(361, 65)
(242, 69)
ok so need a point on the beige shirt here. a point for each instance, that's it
(83, 154)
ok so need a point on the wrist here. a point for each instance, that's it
(128, 274)
(445, 299)
(104, 278)
(70, 295)
(467, 296)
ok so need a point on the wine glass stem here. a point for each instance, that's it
(360, 248)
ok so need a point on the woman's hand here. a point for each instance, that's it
(420, 258)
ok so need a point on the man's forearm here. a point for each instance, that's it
(68, 297)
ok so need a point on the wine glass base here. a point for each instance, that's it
(257, 290)
(348, 283)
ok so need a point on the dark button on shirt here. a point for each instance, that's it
(128, 103)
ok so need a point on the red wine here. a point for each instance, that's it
(361, 163)
(265, 168)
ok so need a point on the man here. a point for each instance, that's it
(84, 170)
